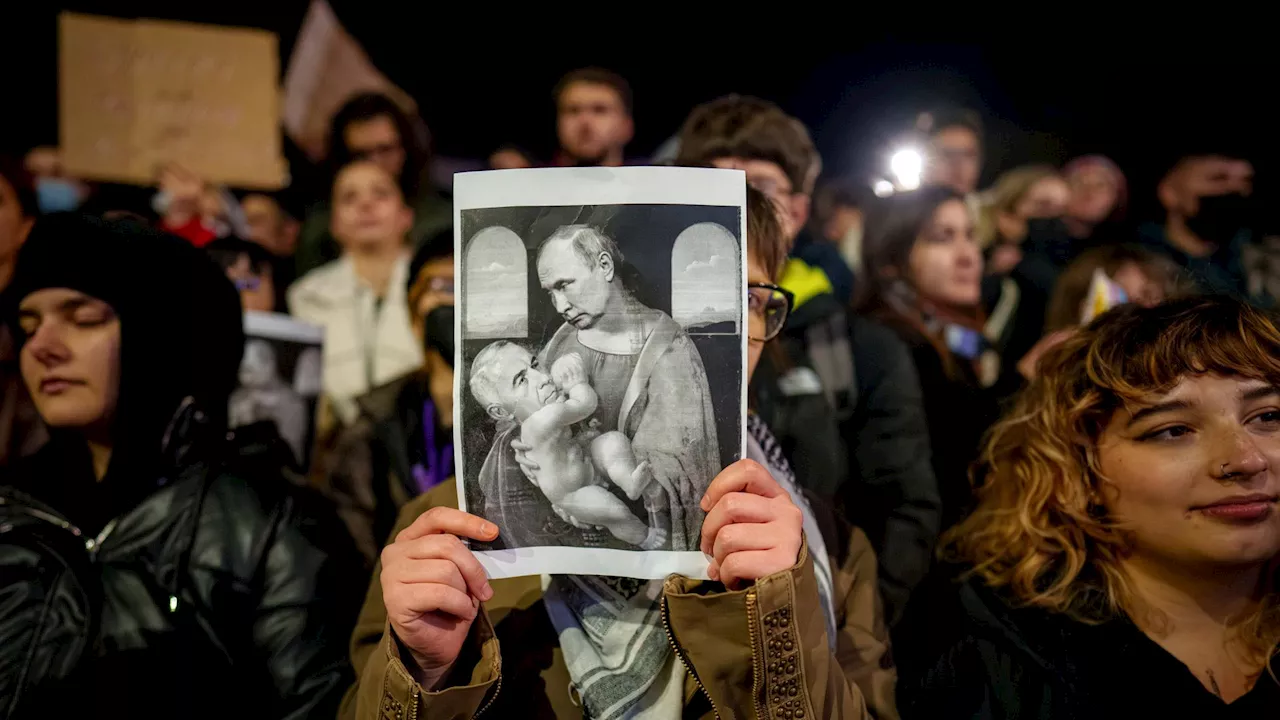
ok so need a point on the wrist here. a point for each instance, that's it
(430, 679)
(423, 670)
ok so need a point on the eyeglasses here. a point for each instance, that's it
(440, 285)
(375, 151)
(767, 309)
(249, 284)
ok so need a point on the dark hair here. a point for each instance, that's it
(227, 251)
(833, 194)
(436, 246)
(1072, 287)
(936, 121)
(892, 226)
(24, 186)
(596, 76)
(512, 147)
(749, 127)
(765, 241)
(414, 137)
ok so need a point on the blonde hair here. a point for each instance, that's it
(1040, 533)
(1004, 196)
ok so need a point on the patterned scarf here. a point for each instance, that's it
(611, 631)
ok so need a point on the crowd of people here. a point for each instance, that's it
(971, 490)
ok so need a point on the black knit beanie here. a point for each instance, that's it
(180, 320)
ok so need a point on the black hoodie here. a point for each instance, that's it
(208, 586)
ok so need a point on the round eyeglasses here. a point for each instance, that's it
(767, 309)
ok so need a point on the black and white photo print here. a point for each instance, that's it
(602, 364)
(280, 375)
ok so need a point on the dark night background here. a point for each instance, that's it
(1065, 82)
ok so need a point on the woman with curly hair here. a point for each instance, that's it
(1122, 561)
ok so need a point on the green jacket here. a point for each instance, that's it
(738, 645)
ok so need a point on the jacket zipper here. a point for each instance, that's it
(497, 688)
(671, 638)
(758, 654)
(92, 545)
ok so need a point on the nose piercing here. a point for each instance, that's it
(1226, 474)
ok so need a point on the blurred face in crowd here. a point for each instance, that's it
(56, 192)
(71, 359)
(368, 209)
(269, 226)
(1047, 198)
(592, 123)
(436, 281)
(945, 266)
(256, 285)
(1138, 285)
(14, 226)
(509, 159)
(579, 292)
(956, 159)
(843, 219)
(1094, 193)
(378, 141)
(1207, 176)
(791, 206)
(1192, 473)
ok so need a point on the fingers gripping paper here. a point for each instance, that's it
(602, 369)
(134, 95)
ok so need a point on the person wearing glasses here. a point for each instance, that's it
(838, 391)
(372, 127)
(789, 626)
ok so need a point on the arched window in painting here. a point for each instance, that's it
(496, 283)
(706, 280)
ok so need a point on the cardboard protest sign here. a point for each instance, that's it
(137, 94)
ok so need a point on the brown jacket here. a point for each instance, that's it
(760, 653)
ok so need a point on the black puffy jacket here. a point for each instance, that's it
(224, 593)
(191, 580)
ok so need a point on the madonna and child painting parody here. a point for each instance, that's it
(602, 364)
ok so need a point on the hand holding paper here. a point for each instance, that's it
(752, 529)
(433, 586)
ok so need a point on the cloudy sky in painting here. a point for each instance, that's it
(706, 277)
(496, 286)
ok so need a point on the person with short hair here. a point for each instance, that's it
(1121, 561)
(371, 127)
(1208, 206)
(593, 117)
(148, 556)
(954, 158)
(838, 390)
